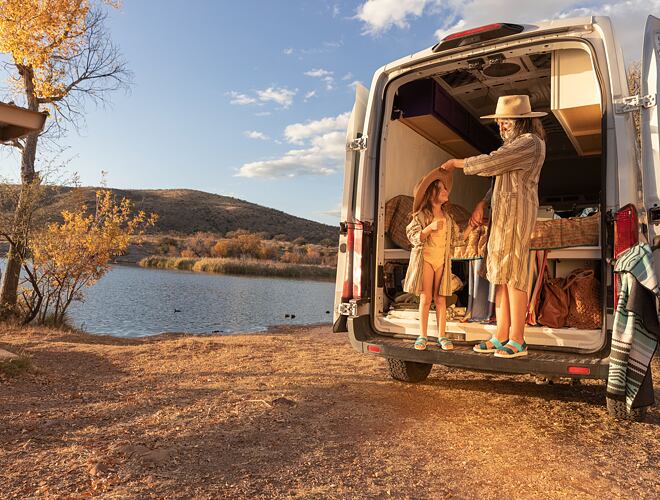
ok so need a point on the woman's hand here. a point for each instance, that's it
(449, 165)
(433, 226)
(477, 217)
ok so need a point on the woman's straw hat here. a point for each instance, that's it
(445, 176)
(514, 106)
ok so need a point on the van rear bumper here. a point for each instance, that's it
(539, 362)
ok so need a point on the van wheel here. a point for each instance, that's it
(408, 371)
(617, 410)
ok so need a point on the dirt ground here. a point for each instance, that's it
(297, 413)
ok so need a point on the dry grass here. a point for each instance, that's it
(297, 413)
(241, 267)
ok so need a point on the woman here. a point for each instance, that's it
(516, 166)
(433, 235)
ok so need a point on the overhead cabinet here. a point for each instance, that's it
(427, 108)
(575, 99)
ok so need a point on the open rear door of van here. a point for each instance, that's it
(650, 142)
(354, 134)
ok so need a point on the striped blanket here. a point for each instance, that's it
(636, 328)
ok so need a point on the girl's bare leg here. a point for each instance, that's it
(518, 311)
(425, 298)
(440, 304)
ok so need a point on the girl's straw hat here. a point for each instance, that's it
(514, 106)
(445, 176)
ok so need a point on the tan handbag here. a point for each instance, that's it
(584, 310)
(555, 302)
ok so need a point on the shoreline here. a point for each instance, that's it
(240, 267)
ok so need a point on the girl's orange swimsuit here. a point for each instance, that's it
(436, 246)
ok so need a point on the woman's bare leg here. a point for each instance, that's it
(518, 310)
(440, 303)
(425, 298)
(502, 314)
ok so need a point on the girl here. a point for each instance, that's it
(516, 167)
(433, 235)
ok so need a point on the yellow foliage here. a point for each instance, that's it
(73, 254)
(39, 33)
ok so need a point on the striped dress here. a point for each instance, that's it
(516, 167)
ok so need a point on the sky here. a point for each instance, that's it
(251, 99)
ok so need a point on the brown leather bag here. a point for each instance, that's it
(555, 302)
(585, 311)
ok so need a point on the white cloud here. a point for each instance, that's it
(334, 213)
(310, 94)
(288, 51)
(326, 76)
(253, 134)
(298, 133)
(240, 99)
(318, 73)
(347, 76)
(321, 152)
(279, 95)
(379, 16)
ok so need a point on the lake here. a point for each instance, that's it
(133, 302)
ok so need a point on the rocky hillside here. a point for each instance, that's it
(186, 211)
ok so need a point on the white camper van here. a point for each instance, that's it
(424, 109)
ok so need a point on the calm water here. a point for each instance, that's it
(132, 302)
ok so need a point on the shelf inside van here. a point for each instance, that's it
(590, 252)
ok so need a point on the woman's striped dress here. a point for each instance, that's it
(516, 167)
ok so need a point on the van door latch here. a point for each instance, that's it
(634, 102)
(359, 144)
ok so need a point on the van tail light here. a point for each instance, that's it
(347, 289)
(475, 35)
(579, 370)
(352, 288)
(626, 234)
(357, 260)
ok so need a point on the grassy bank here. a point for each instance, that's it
(240, 266)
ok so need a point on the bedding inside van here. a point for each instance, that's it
(436, 118)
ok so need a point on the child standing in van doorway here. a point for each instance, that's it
(433, 234)
(516, 167)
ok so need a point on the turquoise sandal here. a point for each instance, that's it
(445, 343)
(484, 349)
(420, 343)
(505, 352)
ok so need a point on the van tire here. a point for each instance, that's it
(408, 371)
(617, 410)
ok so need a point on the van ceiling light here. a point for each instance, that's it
(498, 70)
(476, 35)
(476, 63)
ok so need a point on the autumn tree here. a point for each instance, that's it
(69, 256)
(61, 59)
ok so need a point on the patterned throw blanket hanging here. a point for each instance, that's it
(636, 329)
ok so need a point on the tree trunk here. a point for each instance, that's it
(8, 294)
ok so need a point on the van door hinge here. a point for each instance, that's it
(359, 144)
(634, 102)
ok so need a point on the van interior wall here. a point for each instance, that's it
(409, 156)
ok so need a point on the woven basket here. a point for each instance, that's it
(580, 231)
(398, 212)
(584, 311)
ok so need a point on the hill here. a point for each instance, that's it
(187, 211)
